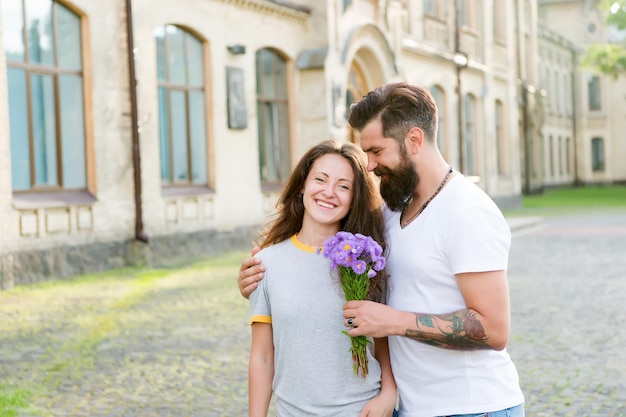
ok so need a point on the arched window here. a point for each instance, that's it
(273, 116)
(499, 21)
(42, 42)
(439, 96)
(182, 112)
(470, 135)
(501, 148)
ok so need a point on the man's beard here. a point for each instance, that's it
(397, 185)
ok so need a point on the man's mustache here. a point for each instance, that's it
(381, 171)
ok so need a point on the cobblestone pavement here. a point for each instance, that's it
(568, 292)
(176, 343)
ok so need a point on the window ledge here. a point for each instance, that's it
(186, 191)
(31, 200)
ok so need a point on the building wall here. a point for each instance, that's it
(608, 122)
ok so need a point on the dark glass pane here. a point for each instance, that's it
(195, 64)
(39, 31)
(266, 73)
(159, 35)
(44, 130)
(72, 131)
(68, 38)
(197, 131)
(258, 75)
(18, 122)
(281, 77)
(261, 135)
(176, 55)
(178, 111)
(164, 135)
(13, 30)
(283, 140)
(268, 141)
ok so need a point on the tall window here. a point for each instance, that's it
(593, 89)
(182, 113)
(567, 156)
(470, 135)
(273, 116)
(468, 13)
(42, 41)
(462, 15)
(500, 139)
(499, 21)
(436, 8)
(597, 154)
(439, 96)
(551, 155)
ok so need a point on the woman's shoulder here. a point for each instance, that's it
(275, 249)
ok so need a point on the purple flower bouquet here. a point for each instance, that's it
(357, 258)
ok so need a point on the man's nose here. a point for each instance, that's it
(371, 165)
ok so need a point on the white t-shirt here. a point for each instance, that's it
(461, 230)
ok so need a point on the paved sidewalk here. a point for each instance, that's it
(176, 344)
(517, 223)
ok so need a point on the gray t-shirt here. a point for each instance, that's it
(302, 298)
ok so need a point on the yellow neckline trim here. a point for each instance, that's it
(302, 246)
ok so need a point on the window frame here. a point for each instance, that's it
(598, 161)
(594, 93)
(59, 192)
(470, 135)
(276, 102)
(171, 186)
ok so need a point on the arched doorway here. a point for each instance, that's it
(355, 89)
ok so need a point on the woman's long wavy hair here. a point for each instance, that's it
(364, 216)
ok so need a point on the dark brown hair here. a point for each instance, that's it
(365, 215)
(400, 107)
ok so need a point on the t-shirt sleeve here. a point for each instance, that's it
(479, 240)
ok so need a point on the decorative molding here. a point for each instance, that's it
(29, 223)
(279, 8)
(57, 220)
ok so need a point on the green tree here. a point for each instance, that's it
(609, 58)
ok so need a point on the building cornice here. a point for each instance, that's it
(543, 32)
(280, 8)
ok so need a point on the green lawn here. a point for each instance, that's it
(572, 199)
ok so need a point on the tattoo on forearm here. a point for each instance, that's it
(462, 331)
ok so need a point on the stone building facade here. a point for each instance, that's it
(145, 131)
(584, 116)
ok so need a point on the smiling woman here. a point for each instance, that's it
(297, 309)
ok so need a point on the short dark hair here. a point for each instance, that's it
(400, 107)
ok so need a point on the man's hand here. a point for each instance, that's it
(250, 273)
(371, 319)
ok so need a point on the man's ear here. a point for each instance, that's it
(415, 138)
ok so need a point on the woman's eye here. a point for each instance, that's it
(344, 187)
(319, 179)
